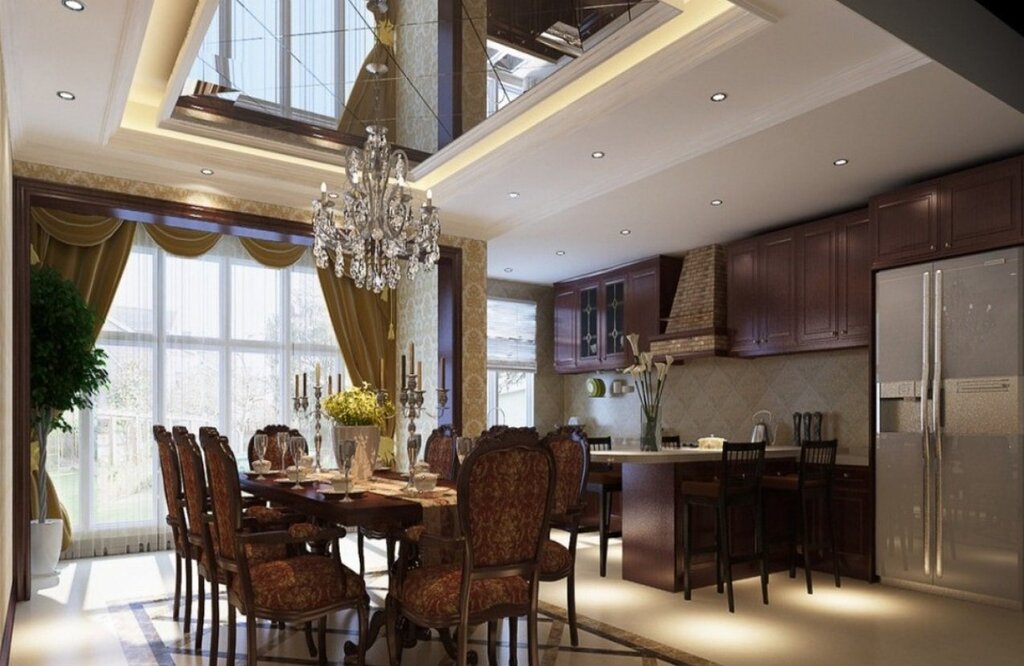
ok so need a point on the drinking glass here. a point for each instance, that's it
(260, 445)
(295, 447)
(463, 445)
(412, 447)
(348, 452)
(282, 448)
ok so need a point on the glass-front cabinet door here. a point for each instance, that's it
(614, 319)
(588, 336)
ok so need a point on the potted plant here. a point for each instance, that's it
(360, 414)
(66, 371)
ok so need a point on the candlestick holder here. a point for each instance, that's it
(442, 401)
(411, 399)
(317, 437)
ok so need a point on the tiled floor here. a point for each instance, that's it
(101, 606)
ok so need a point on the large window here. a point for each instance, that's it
(212, 340)
(511, 361)
(292, 58)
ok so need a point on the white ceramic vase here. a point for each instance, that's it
(367, 439)
(46, 541)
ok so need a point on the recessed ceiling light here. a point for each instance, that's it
(332, 195)
(508, 270)
(842, 161)
(597, 154)
(513, 195)
(65, 95)
(625, 232)
(716, 202)
(206, 172)
(560, 253)
(719, 97)
(73, 5)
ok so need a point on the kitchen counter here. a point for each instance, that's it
(684, 455)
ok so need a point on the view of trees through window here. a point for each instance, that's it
(213, 340)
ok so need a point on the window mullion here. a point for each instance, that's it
(158, 353)
(225, 346)
(285, 348)
(284, 61)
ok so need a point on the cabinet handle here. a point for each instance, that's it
(846, 475)
(844, 331)
(931, 247)
(948, 244)
(835, 334)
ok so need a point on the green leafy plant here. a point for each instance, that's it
(66, 368)
(358, 406)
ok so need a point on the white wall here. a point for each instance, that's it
(6, 445)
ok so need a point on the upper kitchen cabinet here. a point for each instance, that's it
(761, 294)
(970, 211)
(594, 313)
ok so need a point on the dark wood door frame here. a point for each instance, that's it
(30, 193)
(449, 331)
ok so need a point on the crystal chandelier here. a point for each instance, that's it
(379, 226)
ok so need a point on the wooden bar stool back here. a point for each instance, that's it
(812, 484)
(604, 481)
(738, 485)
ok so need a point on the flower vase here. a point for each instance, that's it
(650, 430)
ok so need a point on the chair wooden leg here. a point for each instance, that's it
(308, 630)
(719, 587)
(321, 640)
(215, 622)
(462, 641)
(513, 641)
(533, 649)
(232, 633)
(687, 546)
(725, 548)
(389, 545)
(251, 653)
(805, 543)
(188, 594)
(363, 612)
(362, 555)
(761, 548)
(391, 632)
(832, 537)
(570, 593)
(200, 610)
(177, 586)
(492, 643)
(794, 534)
(603, 526)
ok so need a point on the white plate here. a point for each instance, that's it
(304, 482)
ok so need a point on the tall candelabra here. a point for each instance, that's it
(411, 399)
(301, 404)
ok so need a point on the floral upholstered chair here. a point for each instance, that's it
(170, 473)
(279, 459)
(505, 493)
(295, 589)
(439, 453)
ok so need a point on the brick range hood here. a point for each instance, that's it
(697, 323)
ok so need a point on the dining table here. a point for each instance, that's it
(384, 503)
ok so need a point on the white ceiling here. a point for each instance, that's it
(817, 83)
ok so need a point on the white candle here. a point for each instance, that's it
(317, 375)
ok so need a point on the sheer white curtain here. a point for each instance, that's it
(211, 340)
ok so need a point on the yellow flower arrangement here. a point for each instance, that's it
(358, 406)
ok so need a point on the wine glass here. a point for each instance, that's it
(463, 445)
(260, 445)
(412, 447)
(282, 447)
(348, 452)
(296, 448)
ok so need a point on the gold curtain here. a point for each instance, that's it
(91, 251)
(361, 320)
(359, 111)
(272, 253)
(182, 242)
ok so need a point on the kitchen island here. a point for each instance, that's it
(652, 509)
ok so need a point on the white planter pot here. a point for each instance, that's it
(46, 541)
(367, 439)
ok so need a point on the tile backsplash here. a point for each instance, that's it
(719, 395)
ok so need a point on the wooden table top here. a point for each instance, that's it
(685, 455)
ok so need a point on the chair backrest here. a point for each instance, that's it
(194, 480)
(170, 473)
(278, 459)
(742, 467)
(439, 453)
(207, 434)
(599, 443)
(817, 461)
(505, 492)
(572, 462)
(225, 495)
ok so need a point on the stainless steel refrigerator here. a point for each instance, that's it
(948, 373)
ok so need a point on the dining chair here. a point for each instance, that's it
(737, 484)
(812, 483)
(605, 481)
(572, 459)
(505, 493)
(439, 453)
(170, 472)
(285, 588)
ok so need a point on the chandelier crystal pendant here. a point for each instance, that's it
(379, 227)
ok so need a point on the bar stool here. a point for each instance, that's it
(603, 480)
(811, 483)
(738, 484)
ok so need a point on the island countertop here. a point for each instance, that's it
(683, 455)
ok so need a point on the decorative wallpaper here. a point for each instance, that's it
(417, 322)
(547, 384)
(6, 358)
(474, 63)
(416, 52)
(719, 395)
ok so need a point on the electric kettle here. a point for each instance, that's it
(764, 428)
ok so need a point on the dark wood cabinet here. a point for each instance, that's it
(853, 513)
(970, 211)
(854, 307)
(762, 294)
(818, 283)
(595, 312)
(743, 310)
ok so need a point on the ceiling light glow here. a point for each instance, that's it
(716, 202)
(508, 270)
(206, 172)
(513, 195)
(719, 97)
(625, 232)
(560, 253)
(597, 154)
(842, 161)
(66, 95)
(73, 5)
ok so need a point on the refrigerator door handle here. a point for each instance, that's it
(926, 453)
(937, 421)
